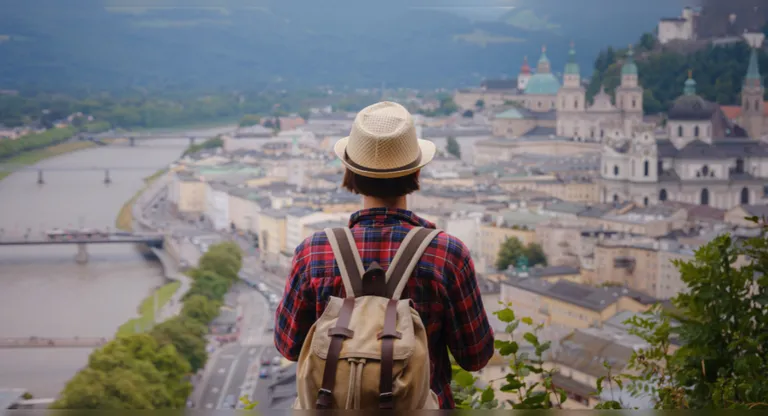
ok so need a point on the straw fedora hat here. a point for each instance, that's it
(383, 143)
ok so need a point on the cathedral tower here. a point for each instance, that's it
(525, 75)
(752, 103)
(571, 101)
(629, 95)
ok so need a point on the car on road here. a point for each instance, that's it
(262, 287)
(265, 361)
(229, 401)
(277, 361)
(263, 373)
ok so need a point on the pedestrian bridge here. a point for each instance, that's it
(82, 239)
(152, 240)
(38, 342)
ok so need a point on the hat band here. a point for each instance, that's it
(411, 165)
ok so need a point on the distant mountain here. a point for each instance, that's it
(249, 44)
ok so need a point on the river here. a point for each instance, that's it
(43, 291)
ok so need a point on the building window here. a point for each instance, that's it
(704, 200)
(634, 103)
(696, 131)
(659, 167)
(645, 201)
(739, 165)
(576, 104)
(563, 103)
(646, 168)
(705, 170)
(616, 170)
(602, 133)
(757, 105)
(615, 198)
(663, 195)
(633, 167)
(679, 131)
(746, 105)
(539, 104)
(745, 196)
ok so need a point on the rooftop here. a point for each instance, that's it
(593, 298)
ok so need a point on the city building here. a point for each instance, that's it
(681, 28)
(705, 159)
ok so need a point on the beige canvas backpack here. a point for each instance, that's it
(370, 349)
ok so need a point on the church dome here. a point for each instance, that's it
(542, 84)
(691, 107)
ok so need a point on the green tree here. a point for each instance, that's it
(509, 252)
(186, 335)
(453, 147)
(647, 42)
(132, 372)
(200, 309)
(223, 263)
(250, 120)
(209, 285)
(480, 104)
(535, 254)
(722, 326)
(304, 114)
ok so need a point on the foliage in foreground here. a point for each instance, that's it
(720, 326)
(151, 370)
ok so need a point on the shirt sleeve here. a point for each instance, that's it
(468, 333)
(296, 312)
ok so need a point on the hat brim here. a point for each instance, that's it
(428, 150)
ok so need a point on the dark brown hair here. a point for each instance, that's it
(388, 188)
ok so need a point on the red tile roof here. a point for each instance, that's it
(734, 111)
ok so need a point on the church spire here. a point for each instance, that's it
(543, 66)
(753, 71)
(572, 67)
(629, 67)
(690, 85)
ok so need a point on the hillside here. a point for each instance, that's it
(719, 73)
(117, 45)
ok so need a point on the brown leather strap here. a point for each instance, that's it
(387, 337)
(400, 264)
(350, 262)
(374, 281)
(338, 334)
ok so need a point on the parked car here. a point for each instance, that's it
(265, 361)
(277, 361)
(263, 373)
(262, 287)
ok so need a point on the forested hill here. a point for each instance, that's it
(719, 72)
(119, 44)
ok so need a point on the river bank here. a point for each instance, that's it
(34, 156)
(124, 220)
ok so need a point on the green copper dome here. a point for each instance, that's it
(572, 68)
(629, 68)
(690, 85)
(542, 84)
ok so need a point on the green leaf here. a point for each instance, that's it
(527, 320)
(508, 349)
(533, 339)
(599, 384)
(563, 396)
(512, 384)
(488, 395)
(505, 315)
(619, 383)
(464, 378)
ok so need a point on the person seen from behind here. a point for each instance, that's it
(356, 348)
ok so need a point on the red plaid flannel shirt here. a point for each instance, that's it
(444, 291)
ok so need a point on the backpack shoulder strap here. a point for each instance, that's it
(406, 258)
(346, 255)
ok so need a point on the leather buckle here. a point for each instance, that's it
(324, 397)
(386, 400)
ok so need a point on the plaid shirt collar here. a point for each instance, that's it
(382, 217)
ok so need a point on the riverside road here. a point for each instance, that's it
(45, 293)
